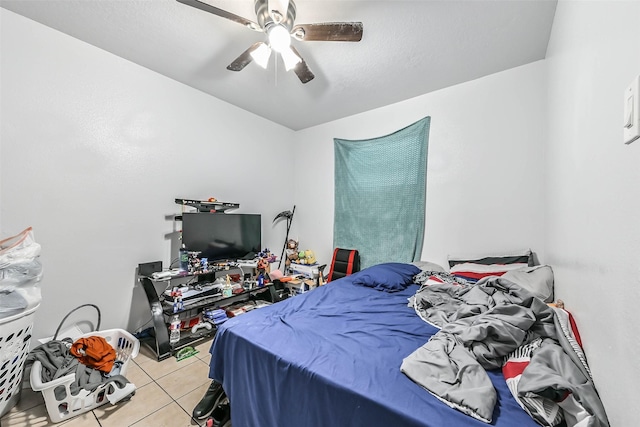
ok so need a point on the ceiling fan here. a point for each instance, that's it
(276, 19)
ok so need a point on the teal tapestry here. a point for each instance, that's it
(380, 193)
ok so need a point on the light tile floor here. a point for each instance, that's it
(166, 394)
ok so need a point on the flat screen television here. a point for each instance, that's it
(222, 236)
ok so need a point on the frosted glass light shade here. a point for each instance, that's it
(290, 58)
(261, 55)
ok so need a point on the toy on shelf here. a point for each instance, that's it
(292, 252)
(262, 271)
(227, 290)
(306, 257)
(178, 304)
(267, 255)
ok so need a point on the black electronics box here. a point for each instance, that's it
(148, 268)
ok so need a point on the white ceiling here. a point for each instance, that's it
(408, 48)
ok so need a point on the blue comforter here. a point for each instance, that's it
(331, 357)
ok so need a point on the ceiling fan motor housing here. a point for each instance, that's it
(265, 20)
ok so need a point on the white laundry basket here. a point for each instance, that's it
(66, 405)
(20, 274)
(15, 334)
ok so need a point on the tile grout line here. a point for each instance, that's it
(155, 380)
(176, 401)
(96, 417)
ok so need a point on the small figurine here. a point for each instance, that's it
(227, 291)
(194, 263)
(263, 268)
(266, 253)
(306, 257)
(178, 305)
(292, 252)
(309, 257)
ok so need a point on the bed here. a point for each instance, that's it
(332, 356)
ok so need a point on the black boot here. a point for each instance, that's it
(221, 415)
(209, 401)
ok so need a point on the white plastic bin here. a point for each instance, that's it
(68, 406)
(15, 334)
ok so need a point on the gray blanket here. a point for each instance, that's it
(480, 325)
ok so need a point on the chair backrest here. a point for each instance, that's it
(344, 263)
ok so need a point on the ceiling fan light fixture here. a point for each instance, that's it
(279, 38)
(276, 19)
(261, 55)
(290, 59)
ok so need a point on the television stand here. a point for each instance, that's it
(162, 310)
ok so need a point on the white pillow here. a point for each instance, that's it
(428, 266)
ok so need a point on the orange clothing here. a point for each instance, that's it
(94, 352)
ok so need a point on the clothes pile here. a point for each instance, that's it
(498, 324)
(92, 359)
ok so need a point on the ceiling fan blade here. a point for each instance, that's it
(222, 13)
(329, 31)
(244, 59)
(302, 69)
(278, 10)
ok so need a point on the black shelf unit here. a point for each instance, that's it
(162, 311)
(206, 206)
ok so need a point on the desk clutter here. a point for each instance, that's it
(195, 303)
(298, 283)
(216, 315)
(200, 295)
(180, 297)
(300, 278)
(194, 263)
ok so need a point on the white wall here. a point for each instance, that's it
(593, 203)
(94, 151)
(485, 165)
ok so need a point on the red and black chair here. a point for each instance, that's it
(344, 263)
